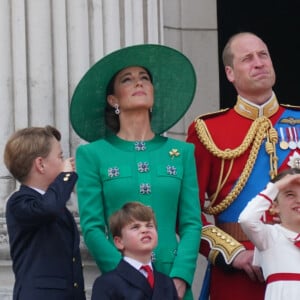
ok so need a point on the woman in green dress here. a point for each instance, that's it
(121, 107)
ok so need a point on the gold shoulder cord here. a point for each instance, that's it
(261, 128)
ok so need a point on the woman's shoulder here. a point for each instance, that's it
(179, 143)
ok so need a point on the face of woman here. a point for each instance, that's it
(133, 90)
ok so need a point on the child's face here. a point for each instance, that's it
(53, 163)
(288, 204)
(138, 238)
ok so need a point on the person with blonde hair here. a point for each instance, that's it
(43, 235)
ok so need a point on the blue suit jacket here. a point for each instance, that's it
(127, 283)
(44, 243)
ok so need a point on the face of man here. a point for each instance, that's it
(252, 72)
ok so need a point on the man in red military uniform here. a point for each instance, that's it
(238, 151)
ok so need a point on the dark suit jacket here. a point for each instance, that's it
(127, 283)
(44, 243)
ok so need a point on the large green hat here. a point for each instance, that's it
(174, 82)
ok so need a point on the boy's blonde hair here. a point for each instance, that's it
(24, 146)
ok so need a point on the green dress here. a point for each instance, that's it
(160, 173)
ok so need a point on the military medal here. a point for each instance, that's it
(283, 144)
(292, 143)
(298, 141)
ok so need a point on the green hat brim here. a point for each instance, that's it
(174, 82)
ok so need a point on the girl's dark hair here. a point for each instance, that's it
(286, 172)
(112, 120)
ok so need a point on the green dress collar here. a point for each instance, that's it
(136, 146)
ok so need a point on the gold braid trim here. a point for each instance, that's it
(221, 242)
(261, 128)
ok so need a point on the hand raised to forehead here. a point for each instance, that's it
(287, 180)
(69, 165)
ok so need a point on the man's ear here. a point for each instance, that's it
(229, 73)
(118, 243)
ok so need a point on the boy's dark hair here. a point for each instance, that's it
(129, 212)
(24, 146)
(285, 172)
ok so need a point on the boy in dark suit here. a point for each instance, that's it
(43, 236)
(134, 231)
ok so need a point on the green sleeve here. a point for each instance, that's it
(189, 222)
(91, 210)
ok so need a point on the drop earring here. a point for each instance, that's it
(117, 110)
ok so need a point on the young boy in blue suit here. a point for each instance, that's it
(134, 231)
(43, 235)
